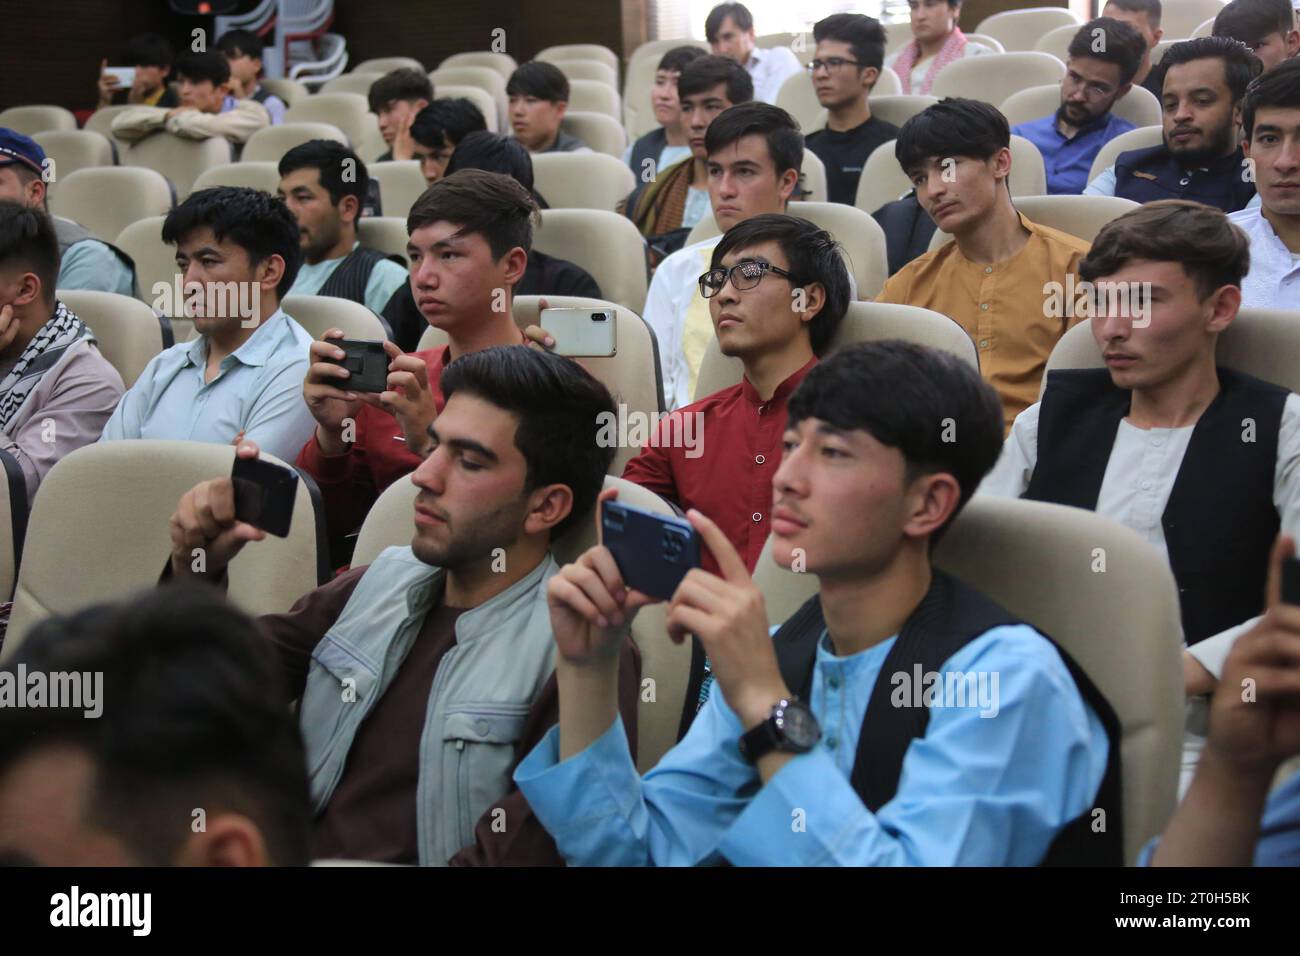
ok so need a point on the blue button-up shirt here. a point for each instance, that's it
(1068, 161)
(258, 390)
(990, 783)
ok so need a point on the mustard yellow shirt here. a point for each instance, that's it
(1003, 306)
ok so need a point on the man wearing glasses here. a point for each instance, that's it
(777, 288)
(1103, 59)
(850, 54)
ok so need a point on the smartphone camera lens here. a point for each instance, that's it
(672, 546)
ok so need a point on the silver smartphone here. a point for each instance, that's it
(582, 333)
(125, 75)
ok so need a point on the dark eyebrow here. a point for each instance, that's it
(465, 444)
(201, 251)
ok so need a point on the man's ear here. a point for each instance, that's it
(1002, 163)
(1224, 304)
(929, 503)
(350, 209)
(870, 76)
(269, 272)
(547, 507)
(227, 839)
(516, 261)
(29, 289)
(813, 300)
(561, 108)
(786, 184)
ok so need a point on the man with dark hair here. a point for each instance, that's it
(807, 725)
(754, 155)
(729, 28)
(850, 54)
(243, 50)
(207, 107)
(56, 389)
(237, 255)
(151, 56)
(85, 260)
(937, 42)
(1266, 26)
(1204, 81)
(1103, 58)
(1155, 439)
(1144, 17)
(445, 642)
(990, 278)
(539, 98)
(397, 98)
(777, 288)
(324, 185)
(543, 274)
(192, 719)
(1270, 114)
(470, 235)
(438, 128)
(667, 144)
(666, 206)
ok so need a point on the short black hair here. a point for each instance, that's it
(1121, 44)
(539, 79)
(494, 153)
(148, 49)
(905, 395)
(1251, 20)
(675, 60)
(705, 72)
(330, 159)
(560, 407)
(494, 205)
(864, 35)
(952, 127)
(234, 43)
(813, 256)
(28, 240)
(1279, 88)
(446, 121)
(740, 16)
(1150, 7)
(405, 84)
(775, 125)
(257, 222)
(1240, 65)
(197, 67)
(194, 714)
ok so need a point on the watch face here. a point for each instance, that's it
(799, 727)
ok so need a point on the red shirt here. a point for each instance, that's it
(350, 483)
(727, 474)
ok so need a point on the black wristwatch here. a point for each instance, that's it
(791, 728)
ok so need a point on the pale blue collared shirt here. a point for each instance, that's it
(258, 390)
(990, 783)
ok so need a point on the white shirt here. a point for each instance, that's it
(769, 68)
(1274, 278)
(922, 67)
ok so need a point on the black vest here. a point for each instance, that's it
(1220, 522)
(349, 280)
(1221, 184)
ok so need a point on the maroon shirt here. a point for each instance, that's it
(730, 477)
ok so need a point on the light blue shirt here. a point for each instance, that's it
(258, 391)
(274, 105)
(385, 279)
(90, 264)
(974, 791)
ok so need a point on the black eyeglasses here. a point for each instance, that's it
(744, 276)
(831, 63)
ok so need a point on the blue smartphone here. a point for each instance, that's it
(653, 552)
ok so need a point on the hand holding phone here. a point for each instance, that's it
(367, 363)
(264, 494)
(653, 552)
(582, 333)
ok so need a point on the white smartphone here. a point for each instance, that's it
(582, 333)
(125, 75)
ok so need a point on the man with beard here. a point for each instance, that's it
(1103, 57)
(324, 184)
(1200, 160)
(420, 674)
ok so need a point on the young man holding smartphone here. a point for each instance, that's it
(802, 758)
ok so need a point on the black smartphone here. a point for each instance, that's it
(1291, 581)
(653, 552)
(368, 363)
(264, 494)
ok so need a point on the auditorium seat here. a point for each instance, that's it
(1019, 30)
(812, 177)
(994, 77)
(579, 51)
(180, 160)
(270, 144)
(1205, 29)
(1180, 17)
(984, 40)
(351, 83)
(30, 120)
(400, 184)
(386, 64)
(13, 523)
(484, 77)
(101, 122)
(1081, 216)
(887, 84)
(798, 98)
(863, 322)
(1140, 138)
(882, 180)
(252, 175)
(602, 133)
(127, 331)
(347, 111)
(73, 149)
(106, 199)
(898, 109)
(589, 70)
(593, 96)
(605, 244)
(291, 91)
(155, 260)
(582, 180)
(101, 520)
(503, 63)
(386, 233)
(476, 95)
(320, 313)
